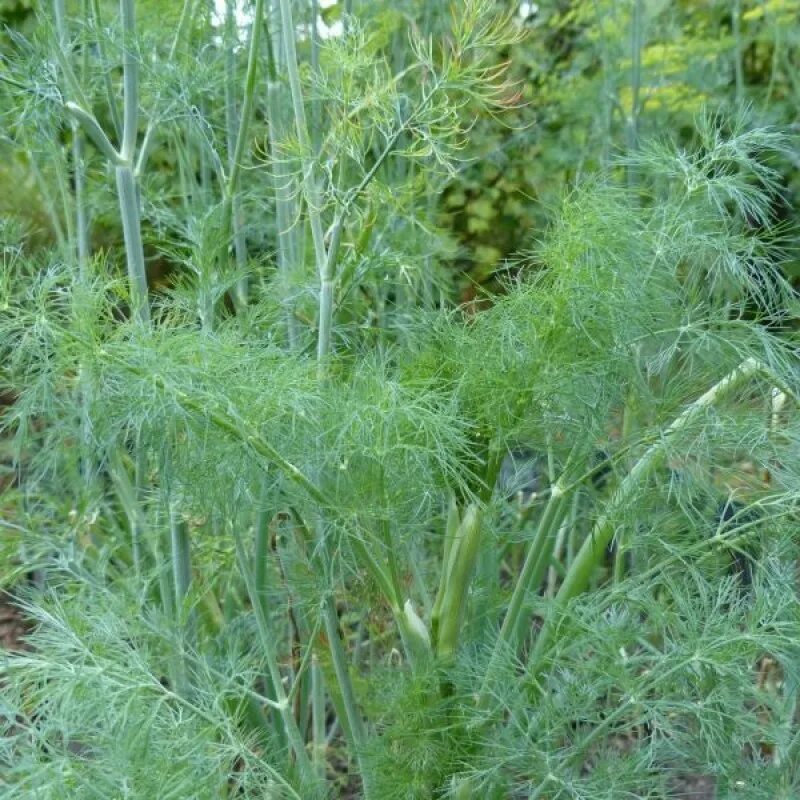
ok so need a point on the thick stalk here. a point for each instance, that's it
(310, 180)
(134, 249)
(288, 256)
(593, 549)
(180, 562)
(316, 111)
(180, 550)
(130, 81)
(313, 196)
(537, 559)
(82, 248)
(230, 203)
(341, 670)
(123, 160)
(81, 228)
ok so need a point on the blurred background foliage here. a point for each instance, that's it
(592, 78)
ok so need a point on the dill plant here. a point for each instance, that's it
(286, 552)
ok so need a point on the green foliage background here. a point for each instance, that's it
(254, 542)
(573, 73)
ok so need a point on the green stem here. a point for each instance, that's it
(181, 557)
(180, 561)
(318, 738)
(310, 179)
(230, 203)
(593, 548)
(134, 249)
(325, 271)
(231, 121)
(285, 208)
(355, 723)
(463, 554)
(130, 81)
(113, 111)
(267, 642)
(316, 111)
(123, 160)
(537, 560)
(94, 131)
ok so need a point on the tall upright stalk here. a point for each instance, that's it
(78, 172)
(126, 182)
(231, 220)
(325, 265)
(123, 158)
(313, 195)
(231, 127)
(81, 241)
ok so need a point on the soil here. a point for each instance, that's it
(693, 787)
(13, 627)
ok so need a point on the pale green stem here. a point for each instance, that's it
(46, 195)
(352, 713)
(130, 81)
(231, 126)
(618, 568)
(93, 130)
(288, 257)
(134, 249)
(181, 557)
(232, 184)
(593, 548)
(123, 160)
(558, 549)
(316, 110)
(108, 85)
(463, 554)
(128, 497)
(537, 559)
(385, 526)
(607, 105)
(487, 573)
(82, 245)
(310, 180)
(318, 737)
(314, 203)
(268, 647)
(81, 220)
(180, 562)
